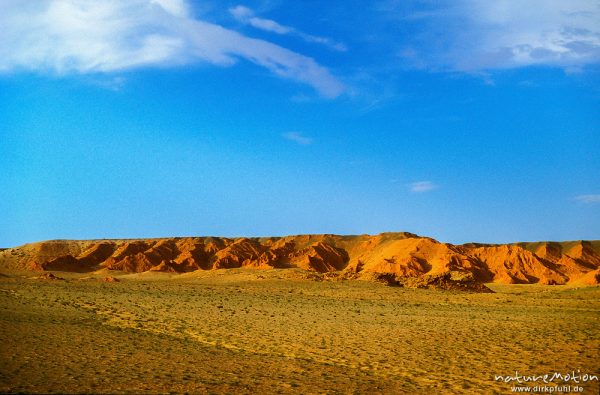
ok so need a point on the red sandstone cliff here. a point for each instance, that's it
(399, 254)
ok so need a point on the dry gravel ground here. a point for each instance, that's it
(237, 331)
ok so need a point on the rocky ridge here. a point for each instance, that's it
(405, 257)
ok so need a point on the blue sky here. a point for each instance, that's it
(460, 120)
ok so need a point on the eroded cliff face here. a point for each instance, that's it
(403, 255)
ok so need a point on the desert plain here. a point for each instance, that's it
(291, 329)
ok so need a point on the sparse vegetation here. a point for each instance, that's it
(233, 333)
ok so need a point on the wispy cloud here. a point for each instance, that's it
(246, 15)
(71, 36)
(588, 199)
(472, 35)
(422, 186)
(298, 138)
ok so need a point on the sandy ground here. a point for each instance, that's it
(236, 331)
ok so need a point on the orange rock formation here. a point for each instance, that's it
(403, 255)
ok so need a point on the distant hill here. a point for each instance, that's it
(402, 255)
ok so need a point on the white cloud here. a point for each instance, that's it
(175, 7)
(588, 199)
(241, 13)
(78, 36)
(422, 186)
(298, 138)
(474, 35)
(246, 15)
